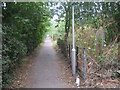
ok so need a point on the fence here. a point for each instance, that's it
(80, 56)
(81, 60)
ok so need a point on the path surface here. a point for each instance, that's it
(46, 70)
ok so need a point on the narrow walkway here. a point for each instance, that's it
(46, 70)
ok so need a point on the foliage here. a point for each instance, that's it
(89, 17)
(99, 14)
(24, 27)
(58, 32)
(92, 16)
(96, 14)
(109, 56)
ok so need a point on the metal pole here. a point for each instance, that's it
(84, 63)
(73, 43)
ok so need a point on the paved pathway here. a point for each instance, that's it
(46, 70)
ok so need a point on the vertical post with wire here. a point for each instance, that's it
(73, 44)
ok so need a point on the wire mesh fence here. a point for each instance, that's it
(81, 61)
(81, 57)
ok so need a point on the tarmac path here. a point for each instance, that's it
(45, 72)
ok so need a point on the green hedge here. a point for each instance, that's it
(24, 27)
